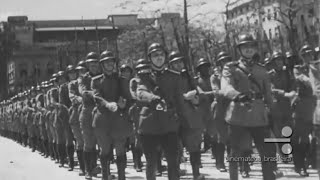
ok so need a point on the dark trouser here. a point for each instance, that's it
(70, 153)
(244, 165)
(169, 143)
(46, 147)
(80, 160)
(316, 131)
(219, 154)
(300, 143)
(207, 141)
(266, 150)
(62, 153)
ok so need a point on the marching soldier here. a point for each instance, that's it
(40, 115)
(85, 116)
(143, 70)
(111, 127)
(219, 106)
(191, 128)
(30, 117)
(162, 99)
(206, 94)
(126, 74)
(246, 84)
(281, 83)
(65, 103)
(50, 121)
(76, 100)
(59, 116)
(24, 129)
(304, 107)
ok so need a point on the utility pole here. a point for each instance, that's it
(261, 32)
(187, 43)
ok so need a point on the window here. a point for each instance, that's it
(275, 14)
(256, 22)
(263, 19)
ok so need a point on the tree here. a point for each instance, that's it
(179, 38)
(289, 12)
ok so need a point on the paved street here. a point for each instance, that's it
(19, 163)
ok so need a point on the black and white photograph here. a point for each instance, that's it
(160, 90)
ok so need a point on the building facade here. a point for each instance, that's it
(283, 22)
(40, 48)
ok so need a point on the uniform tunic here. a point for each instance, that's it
(85, 116)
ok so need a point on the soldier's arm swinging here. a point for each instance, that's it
(144, 95)
(267, 91)
(228, 82)
(98, 95)
(72, 92)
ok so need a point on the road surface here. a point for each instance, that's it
(19, 163)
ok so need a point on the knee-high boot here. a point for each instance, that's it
(159, 164)
(195, 158)
(233, 170)
(62, 154)
(87, 163)
(81, 162)
(105, 167)
(220, 157)
(121, 165)
(137, 159)
(57, 155)
(70, 151)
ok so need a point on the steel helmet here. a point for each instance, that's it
(70, 68)
(106, 56)
(223, 56)
(246, 39)
(154, 47)
(289, 55)
(276, 55)
(125, 66)
(61, 73)
(175, 56)
(203, 62)
(92, 57)
(306, 49)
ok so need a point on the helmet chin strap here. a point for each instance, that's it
(157, 68)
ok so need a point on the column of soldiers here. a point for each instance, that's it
(96, 108)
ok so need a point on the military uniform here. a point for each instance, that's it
(65, 104)
(134, 118)
(74, 122)
(315, 82)
(85, 118)
(110, 128)
(160, 127)
(303, 113)
(248, 117)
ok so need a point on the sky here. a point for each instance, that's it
(99, 9)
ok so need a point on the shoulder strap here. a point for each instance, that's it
(250, 77)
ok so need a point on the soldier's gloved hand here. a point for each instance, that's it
(242, 98)
(190, 95)
(112, 106)
(156, 100)
(278, 92)
(122, 103)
